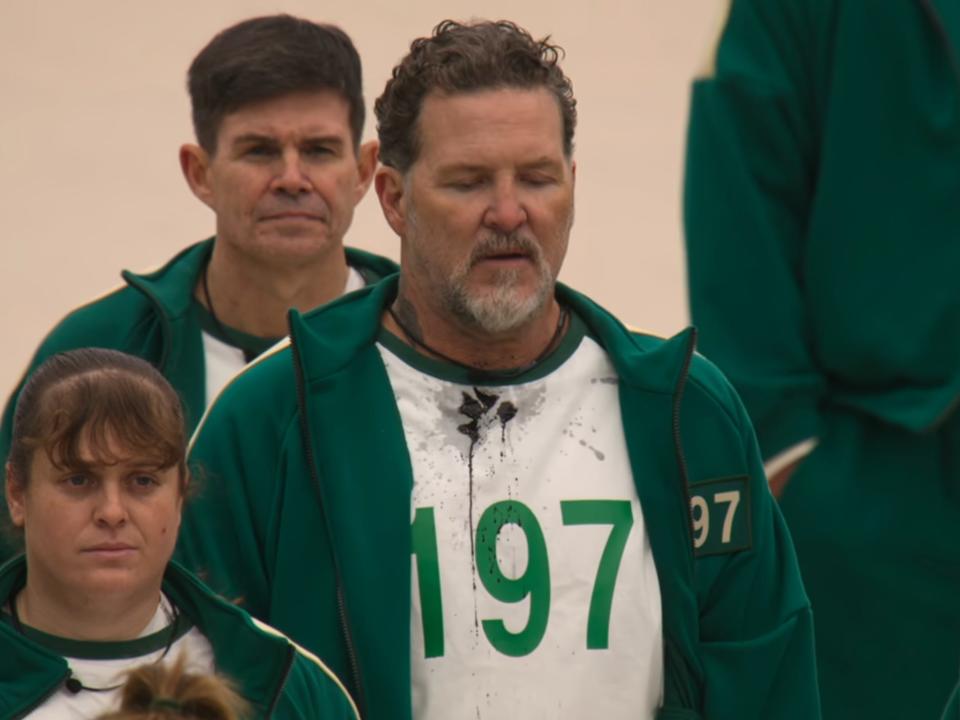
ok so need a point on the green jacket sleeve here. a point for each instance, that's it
(313, 693)
(756, 626)
(750, 173)
(225, 537)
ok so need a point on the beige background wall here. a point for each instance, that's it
(93, 109)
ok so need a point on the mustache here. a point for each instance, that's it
(519, 242)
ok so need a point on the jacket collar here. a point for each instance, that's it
(335, 334)
(257, 660)
(170, 291)
(170, 288)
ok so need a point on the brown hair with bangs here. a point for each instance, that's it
(79, 404)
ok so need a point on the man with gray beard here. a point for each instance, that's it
(470, 489)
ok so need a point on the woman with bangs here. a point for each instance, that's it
(95, 484)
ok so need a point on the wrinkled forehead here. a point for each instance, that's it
(323, 112)
(521, 124)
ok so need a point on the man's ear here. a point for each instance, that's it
(392, 194)
(195, 165)
(14, 495)
(366, 167)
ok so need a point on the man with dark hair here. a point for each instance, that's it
(470, 488)
(278, 112)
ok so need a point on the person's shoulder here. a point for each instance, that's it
(707, 379)
(109, 320)
(311, 683)
(705, 383)
(126, 317)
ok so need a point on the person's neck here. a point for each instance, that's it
(253, 297)
(77, 616)
(441, 336)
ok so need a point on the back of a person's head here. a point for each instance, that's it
(169, 692)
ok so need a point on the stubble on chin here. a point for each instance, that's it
(504, 306)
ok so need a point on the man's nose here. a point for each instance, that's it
(506, 211)
(290, 177)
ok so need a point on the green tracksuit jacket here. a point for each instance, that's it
(271, 673)
(151, 317)
(306, 515)
(822, 222)
(821, 212)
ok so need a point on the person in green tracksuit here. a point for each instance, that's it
(278, 112)
(96, 483)
(473, 491)
(823, 171)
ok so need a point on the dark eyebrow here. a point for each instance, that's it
(253, 139)
(323, 140)
(464, 168)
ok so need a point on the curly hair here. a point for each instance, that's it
(462, 58)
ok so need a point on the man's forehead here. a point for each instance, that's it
(474, 128)
(308, 114)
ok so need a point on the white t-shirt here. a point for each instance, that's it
(534, 590)
(222, 361)
(103, 665)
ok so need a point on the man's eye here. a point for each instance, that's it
(537, 180)
(465, 184)
(318, 151)
(259, 151)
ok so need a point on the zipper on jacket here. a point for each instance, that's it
(315, 477)
(288, 665)
(677, 438)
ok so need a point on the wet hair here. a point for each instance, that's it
(463, 58)
(89, 400)
(266, 57)
(160, 692)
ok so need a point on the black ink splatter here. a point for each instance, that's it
(474, 408)
(506, 412)
(599, 455)
(488, 399)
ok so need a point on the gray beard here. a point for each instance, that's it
(500, 310)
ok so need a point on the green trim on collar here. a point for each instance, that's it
(251, 345)
(449, 372)
(96, 650)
